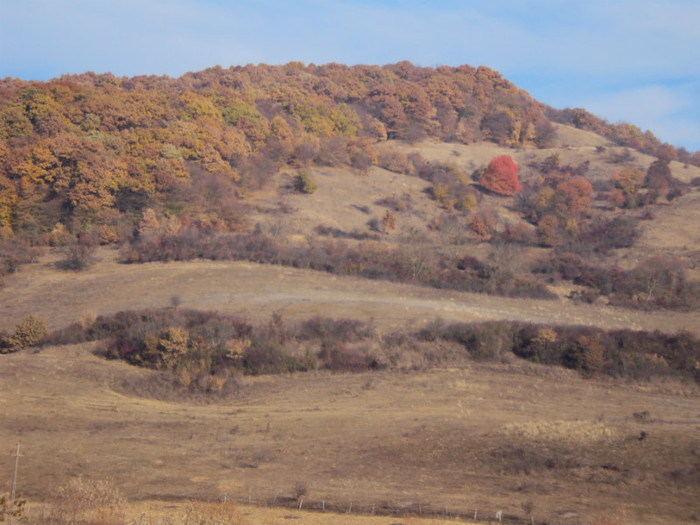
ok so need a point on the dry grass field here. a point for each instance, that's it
(257, 291)
(521, 438)
(151, 512)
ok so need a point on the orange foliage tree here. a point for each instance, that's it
(501, 176)
(629, 180)
(573, 197)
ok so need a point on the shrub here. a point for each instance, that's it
(520, 233)
(14, 513)
(333, 330)
(538, 344)
(339, 358)
(303, 182)
(585, 354)
(572, 197)
(482, 225)
(30, 331)
(628, 180)
(547, 232)
(501, 176)
(392, 160)
(15, 253)
(606, 235)
(172, 345)
(80, 253)
(389, 220)
(267, 357)
(658, 179)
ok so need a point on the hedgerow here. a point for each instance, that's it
(206, 351)
(365, 259)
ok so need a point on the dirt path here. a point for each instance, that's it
(259, 290)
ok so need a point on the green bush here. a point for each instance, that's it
(304, 183)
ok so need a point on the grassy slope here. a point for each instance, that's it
(341, 196)
(62, 297)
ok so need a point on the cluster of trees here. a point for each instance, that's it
(91, 152)
(30, 331)
(206, 350)
(635, 187)
(590, 351)
(559, 206)
(166, 165)
(657, 282)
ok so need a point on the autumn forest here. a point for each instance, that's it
(90, 153)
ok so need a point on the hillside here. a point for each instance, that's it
(394, 156)
(345, 286)
(258, 291)
(93, 151)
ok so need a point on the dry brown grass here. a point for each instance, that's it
(431, 439)
(85, 502)
(206, 513)
(257, 291)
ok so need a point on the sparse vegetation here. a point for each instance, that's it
(79, 253)
(364, 260)
(14, 253)
(86, 502)
(530, 428)
(12, 510)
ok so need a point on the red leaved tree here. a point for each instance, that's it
(501, 176)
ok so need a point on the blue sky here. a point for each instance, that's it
(631, 60)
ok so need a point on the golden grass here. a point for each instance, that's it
(206, 513)
(256, 291)
(572, 431)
